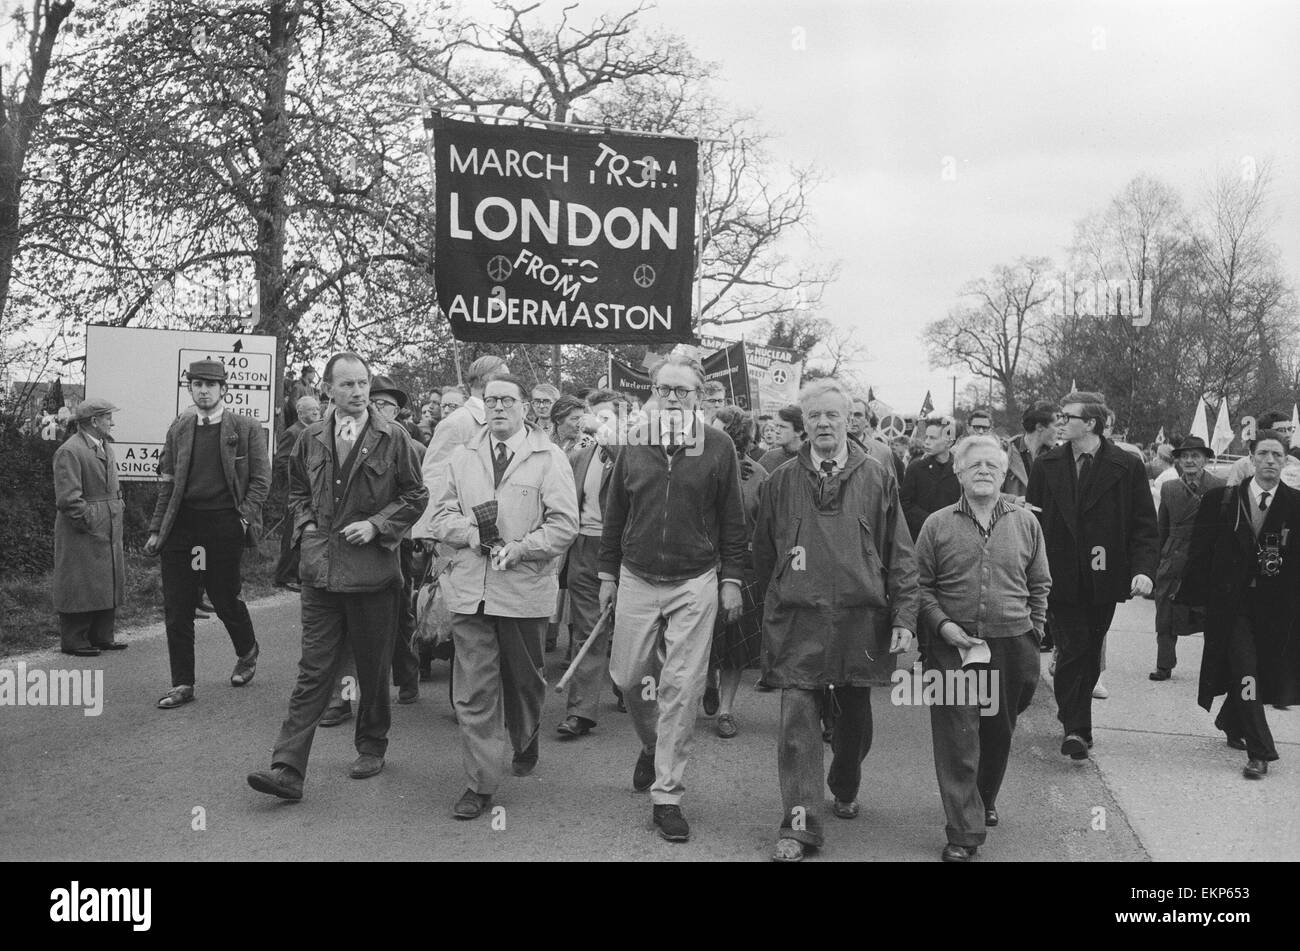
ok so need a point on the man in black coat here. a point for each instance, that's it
(1244, 567)
(929, 483)
(1102, 548)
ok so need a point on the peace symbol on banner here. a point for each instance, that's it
(892, 426)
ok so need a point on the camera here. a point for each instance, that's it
(1270, 555)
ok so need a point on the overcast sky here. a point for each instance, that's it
(1043, 128)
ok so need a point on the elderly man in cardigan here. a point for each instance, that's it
(89, 576)
(984, 582)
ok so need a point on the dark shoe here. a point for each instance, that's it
(205, 605)
(1160, 673)
(336, 715)
(279, 781)
(711, 700)
(575, 726)
(525, 761)
(115, 646)
(671, 823)
(726, 726)
(643, 776)
(1075, 747)
(1236, 742)
(990, 816)
(762, 686)
(245, 667)
(1276, 706)
(201, 615)
(366, 765)
(408, 693)
(176, 697)
(82, 651)
(1255, 769)
(470, 805)
(845, 810)
(958, 853)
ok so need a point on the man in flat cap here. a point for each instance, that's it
(1180, 499)
(215, 476)
(89, 574)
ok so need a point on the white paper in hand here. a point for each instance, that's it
(978, 653)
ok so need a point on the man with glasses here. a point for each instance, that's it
(507, 514)
(543, 398)
(1102, 547)
(452, 399)
(979, 423)
(713, 397)
(673, 526)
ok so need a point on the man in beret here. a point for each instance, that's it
(1180, 499)
(89, 574)
(215, 476)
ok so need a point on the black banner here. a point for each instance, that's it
(554, 237)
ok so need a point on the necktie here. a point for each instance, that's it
(499, 463)
(347, 436)
(1263, 501)
(828, 466)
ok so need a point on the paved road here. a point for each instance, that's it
(128, 783)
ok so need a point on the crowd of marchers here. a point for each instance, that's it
(681, 542)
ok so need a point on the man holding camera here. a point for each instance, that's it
(1244, 568)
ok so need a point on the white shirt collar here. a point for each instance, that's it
(211, 418)
(94, 440)
(689, 422)
(840, 459)
(1257, 490)
(513, 444)
(340, 417)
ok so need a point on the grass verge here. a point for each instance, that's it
(28, 621)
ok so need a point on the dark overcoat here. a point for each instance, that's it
(89, 573)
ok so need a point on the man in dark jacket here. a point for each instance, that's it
(1038, 423)
(215, 476)
(354, 490)
(1179, 500)
(1102, 548)
(929, 483)
(672, 545)
(834, 558)
(1244, 567)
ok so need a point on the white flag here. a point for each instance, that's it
(1295, 420)
(1223, 437)
(1160, 437)
(1199, 427)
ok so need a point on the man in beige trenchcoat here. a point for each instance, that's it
(89, 574)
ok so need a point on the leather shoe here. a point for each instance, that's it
(366, 765)
(281, 781)
(525, 761)
(471, 805)
(671, 823)
(575, 726)
(1236, 742)
(82, 651)
(845, 810)
(336, 715)
(1160, 673)
(408, 693)
(1255, 769)
(958, 853)
(177, 696)
(643, 776)
(990, 816)
(245, 667)
(1074, 746)
(115, 646)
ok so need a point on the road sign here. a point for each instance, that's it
(143, 372)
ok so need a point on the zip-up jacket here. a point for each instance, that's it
(671, 517)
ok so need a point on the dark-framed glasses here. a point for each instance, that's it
(681, 392)
(505, 402)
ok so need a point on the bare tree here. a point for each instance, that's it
(992, 331)
(21, 110)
